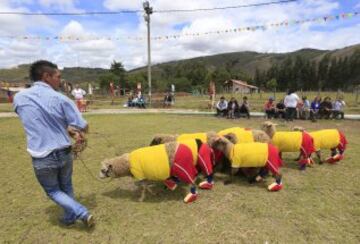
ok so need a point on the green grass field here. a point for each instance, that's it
(320, 205)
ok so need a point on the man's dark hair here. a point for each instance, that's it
(38, 68)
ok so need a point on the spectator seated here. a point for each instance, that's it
(280, 110)
(233, 108)
(325, 109)
(269, 108)
(222, 107)
(338, 112)
(244, 110)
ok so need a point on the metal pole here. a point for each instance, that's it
(149, 57)
(148, 12)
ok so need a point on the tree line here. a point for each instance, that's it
(297, 72)
(330, 73)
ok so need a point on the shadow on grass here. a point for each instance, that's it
(160, 194)
(239, 180)
(55, 213)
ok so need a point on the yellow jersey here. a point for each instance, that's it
(249, 155)
(287, 141)
(151, 163)
(200, 136)
(243, 135)
(325, 139)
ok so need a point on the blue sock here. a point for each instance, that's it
(302, 167)
(193, 190)
(209, 178)
(278, 181)
(175, 179)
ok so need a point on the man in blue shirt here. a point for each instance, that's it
(46, 116)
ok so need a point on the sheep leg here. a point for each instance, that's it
(299, 157)
(143, 187)
(333, 152)
(318, 154)
(232, 173)
(148, 188)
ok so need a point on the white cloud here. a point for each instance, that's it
(122, 4)
(100, 53)
(61, 5)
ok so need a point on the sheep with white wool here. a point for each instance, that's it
(256, 154)
(330, 139)
(171, 162)
(291, 141)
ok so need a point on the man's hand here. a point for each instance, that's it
(79, 137)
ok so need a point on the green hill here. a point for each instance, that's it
(74, 74)
(302, 66)
(248, 62)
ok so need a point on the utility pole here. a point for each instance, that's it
(148, 12)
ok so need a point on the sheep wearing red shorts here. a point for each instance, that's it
(171, 163)
(204, 160)
(292, 141)
(262, 155)
(330, 139)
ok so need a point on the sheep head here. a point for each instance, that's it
(232, 138)
(298, 128)
(162, 138)
(269, 128)
(222, 144)
(115, 167)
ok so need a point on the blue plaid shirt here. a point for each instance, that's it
(45, 115)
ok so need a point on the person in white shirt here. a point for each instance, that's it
(222, 107)
(79, 94)
(291, 101)
(338, 106)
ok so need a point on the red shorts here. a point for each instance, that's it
(78, 103)
(183, 167)
(343, 142)
(206, 159)
(307, 145)
(274, 161)
(218, 155)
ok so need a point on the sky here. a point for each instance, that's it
(95, 49)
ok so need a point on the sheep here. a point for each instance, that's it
(291, 141)
(239, 134)
(245, 135)
(203, 137)
(171, 162)
(331, 139)
(162, 138)
(256, 154)
(204, 160)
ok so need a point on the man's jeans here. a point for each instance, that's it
(54, 175)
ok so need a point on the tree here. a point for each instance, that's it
(118, 69)
(272, 84)
(105, 80)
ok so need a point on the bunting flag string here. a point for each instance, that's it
(286, 23)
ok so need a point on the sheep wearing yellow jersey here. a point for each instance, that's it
(291, 141)
(330, 139)
(171, 162)
(246, 135)
(256, 154)
(235, 134)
